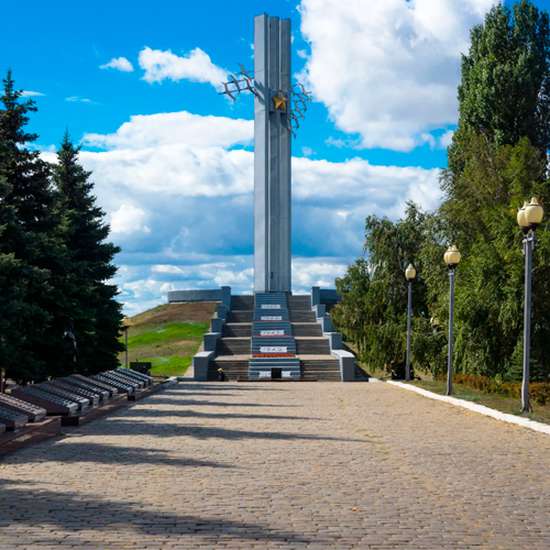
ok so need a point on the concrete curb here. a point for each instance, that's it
(481, 409)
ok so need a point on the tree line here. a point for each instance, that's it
(58, 308)
(498, 158)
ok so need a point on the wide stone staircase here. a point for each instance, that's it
(236, 348)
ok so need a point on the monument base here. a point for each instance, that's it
(246, 340)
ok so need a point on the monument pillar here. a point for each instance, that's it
(272, 154)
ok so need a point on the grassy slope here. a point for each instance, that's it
(168, 336)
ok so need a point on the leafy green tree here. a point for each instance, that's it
(350, 315)
(504, 93)
(92, 314)
(374, 290)
(489, 294)
(497, 160)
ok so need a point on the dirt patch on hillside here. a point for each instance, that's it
(197, 312)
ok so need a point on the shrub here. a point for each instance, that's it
(539, 392)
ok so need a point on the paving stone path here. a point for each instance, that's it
(274, 465)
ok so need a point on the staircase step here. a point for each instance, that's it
(244, 302)
(237, 330)
(306, 329)
(239, 316)
(232, 368)
(296, 302)
(312, 345)
(233, 346)
(302, 316)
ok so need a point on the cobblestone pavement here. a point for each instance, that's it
(274, 465)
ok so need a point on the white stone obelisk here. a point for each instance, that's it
(272, 154)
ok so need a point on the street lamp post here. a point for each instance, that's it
(410, 275)
(125, 326)
(529, 217)
(452, 259)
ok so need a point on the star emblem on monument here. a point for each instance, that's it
(279, 101)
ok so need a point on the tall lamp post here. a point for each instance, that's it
(452, 259)
(125, 327)
(410, 275)
(529, 217)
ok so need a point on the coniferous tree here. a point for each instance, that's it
(93, 314)
(28, 245)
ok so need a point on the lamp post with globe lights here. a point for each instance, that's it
(452, 259)
(529, 217)
(410, 275)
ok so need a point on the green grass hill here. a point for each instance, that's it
(168, 336)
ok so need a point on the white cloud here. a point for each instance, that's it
(308, 272)
(78, 99)
(341, 143)
(388, 71)
(446, 139)
(143, 131)
(179, 198)
(31, 93)
(195, 66)
(129, 219)
(119, 64)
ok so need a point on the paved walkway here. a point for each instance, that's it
(320, 465)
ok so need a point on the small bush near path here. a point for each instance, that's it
(538, 391)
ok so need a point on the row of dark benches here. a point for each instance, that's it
(69, 397)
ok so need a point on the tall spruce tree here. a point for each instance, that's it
(29, 248)
(93, 314)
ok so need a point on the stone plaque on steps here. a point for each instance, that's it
(271, 318)
(271, 306)
(274, 332)
(273, 349)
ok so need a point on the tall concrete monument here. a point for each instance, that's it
(260, 329)
(278, 108)
(272, 154)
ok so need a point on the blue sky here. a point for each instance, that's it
(172, 158)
